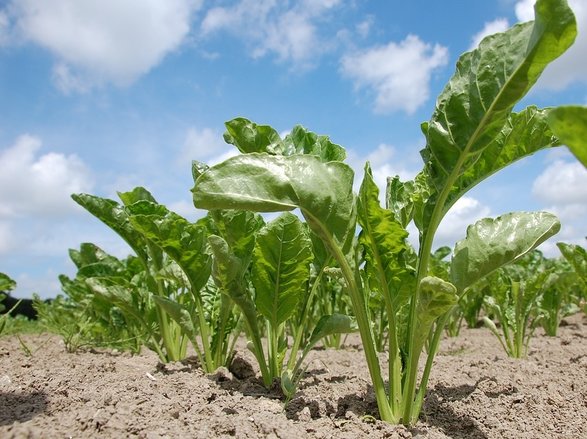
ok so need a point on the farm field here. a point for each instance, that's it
(299, 307)
(475, 391)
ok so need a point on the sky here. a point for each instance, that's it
(100, 96)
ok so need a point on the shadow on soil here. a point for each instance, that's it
(437, 412)
(21, 407)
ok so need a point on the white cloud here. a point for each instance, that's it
(33, 184)
(364, 27)
(525, 10)
(6, 237)
(397, 73)
(69, 82)
(205, 145)
(572, 65)
(464, 212)
(4, 28)
(46, 285)
(562, 183)
(490, 28)
(562, 188)
(104, 40)
(272, 27)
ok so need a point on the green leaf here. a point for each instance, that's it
(183, 241)
(384, 242)
(124, 297)
(491, 243)
(302, 141)
(114, 216)
(228, 273)
(264, 183)
(523, 134)
(281, 267)
(6, 283)
(435, 298)
(137, 194)
(87, 254)
(92, 261)
(239, 230)
(329, 325)
(577, 257)
(179, 313)
(472, 121)
(249, 137)
(569, 124)
(198, 168)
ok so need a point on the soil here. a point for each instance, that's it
(475, 391)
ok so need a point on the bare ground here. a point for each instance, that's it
(475, 392)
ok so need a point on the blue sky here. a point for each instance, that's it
(101, 96)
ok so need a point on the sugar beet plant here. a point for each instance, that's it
(472, 134)
(515, 294)
(268, 276)
(168, 297)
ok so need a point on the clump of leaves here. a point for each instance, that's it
(266, 268)
(514, 298)
(167, 292)
(86, 318)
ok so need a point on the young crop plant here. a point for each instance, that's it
(472, 134)
(170, 296)
(89, 318)
(577, 258)
(516, 291)
(556, 301)
(265, 269)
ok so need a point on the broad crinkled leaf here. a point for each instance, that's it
(569, 124)
(407, 199)
(473, 112)
(123, 296)
(302, 141)
(384, 241)
(198, 168)
(137, 194)
(239, 229)
(249, 137)
(281, 267)
(491, 243)
(183, 241)
(228, 273)
(101, 269)
(577, 257)
(88, 254)
(399, 199)
(523, 134)
(331, 324)
(114, 216)
(265, 183)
